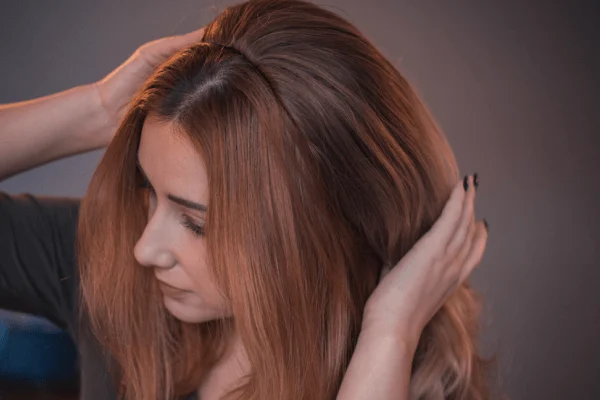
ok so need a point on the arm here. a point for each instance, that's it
(379, 369)
(38, 271)
(45, 129)
(409, 295)
(80, 119)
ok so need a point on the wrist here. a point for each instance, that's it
(107, 120)
(391, 326)
(384, 334)
(380, 366)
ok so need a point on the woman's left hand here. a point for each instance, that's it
(411, 292)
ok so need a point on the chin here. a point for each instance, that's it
(190, 313)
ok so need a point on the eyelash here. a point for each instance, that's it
(186, 220)
(189, 223)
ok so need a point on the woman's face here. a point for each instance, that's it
(172, 243)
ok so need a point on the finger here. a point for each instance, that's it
(465, 247)
(180, 41)
(476, 251)
(445, 226)
(458, 240)
(160, 49)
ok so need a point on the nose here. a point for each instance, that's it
(151, 249)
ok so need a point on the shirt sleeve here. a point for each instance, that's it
(37, 256)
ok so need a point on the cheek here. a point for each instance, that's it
(205, 303)
(201, 280)
(203, 285)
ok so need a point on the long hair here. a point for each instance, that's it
(323, 165)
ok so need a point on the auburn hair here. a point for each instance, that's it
(323, 165)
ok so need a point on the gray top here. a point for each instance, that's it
(39, 276)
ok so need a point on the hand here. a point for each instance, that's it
(119, 87)
(410, 294)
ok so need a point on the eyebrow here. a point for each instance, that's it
(175, 199)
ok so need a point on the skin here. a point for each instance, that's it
(172, 247)
(426, 275)
(84, 118)
(409, 295)
(80, 119)
(168, 244)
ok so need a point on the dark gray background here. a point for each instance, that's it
(513, 83)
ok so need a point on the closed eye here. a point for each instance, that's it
(192, 225)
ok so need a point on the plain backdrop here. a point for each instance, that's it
(515, 86)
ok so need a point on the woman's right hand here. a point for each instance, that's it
(80, 119)
(118, 88)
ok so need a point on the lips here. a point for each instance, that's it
(171, 291)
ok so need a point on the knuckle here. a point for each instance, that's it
(454, 268)
(143, 48)
(456, 244)
(438, 258)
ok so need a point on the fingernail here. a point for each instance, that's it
(466, 182)
(485, 223)
(475, 180)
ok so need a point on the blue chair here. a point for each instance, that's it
(34, 351)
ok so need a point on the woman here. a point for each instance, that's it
(279, 162)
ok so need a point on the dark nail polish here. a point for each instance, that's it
(485, 223)
(466, 182)
(475, 180)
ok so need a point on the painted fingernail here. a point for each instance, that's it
(475, 180)
(466, 182)
(485, 223)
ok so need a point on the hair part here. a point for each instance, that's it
(323, 164)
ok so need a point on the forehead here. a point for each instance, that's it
(169, 159)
